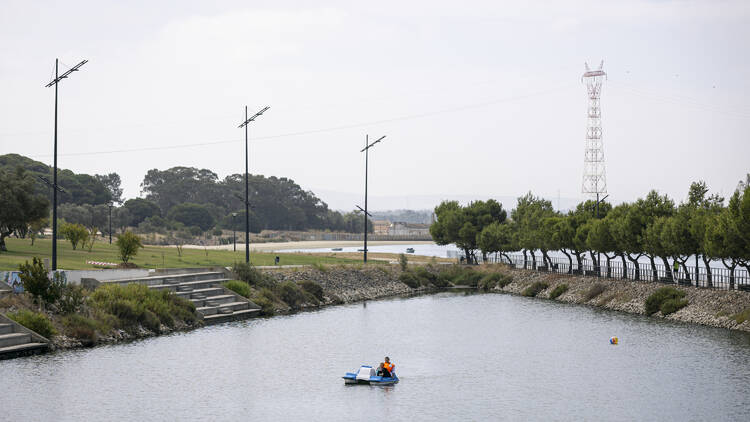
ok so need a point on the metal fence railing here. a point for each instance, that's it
(712, 277)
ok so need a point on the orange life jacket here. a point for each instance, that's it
(388, 366)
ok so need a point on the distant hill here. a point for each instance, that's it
(79, 188)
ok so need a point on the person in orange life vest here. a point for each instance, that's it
(388, 367)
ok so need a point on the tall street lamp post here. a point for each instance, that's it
(366, 150)
(247, 185)
(55, 187)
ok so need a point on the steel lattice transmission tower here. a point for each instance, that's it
(594, 173)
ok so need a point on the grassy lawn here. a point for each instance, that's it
(20, 251)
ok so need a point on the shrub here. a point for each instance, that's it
(320, 267)
(265, 299)
(312, 288)
(81, 328)
(425, 276)
(239, 287)
(558, 290)
(291, 294)
(742, 316)
(135, 304)
(655, 301)
(504, 280)
(468, 277)
(34, 321)
(489, 281)
(448, 275)
(534, 289)
(37, 283)
(252, 276)
(409, 279)
(75, 233)
(71, 299)
(671, 306)
(403, 262)
(440, 282)
(594, 291)
(128, 244)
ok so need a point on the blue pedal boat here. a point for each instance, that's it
(366, 375)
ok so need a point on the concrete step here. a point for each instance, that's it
(6, 328)
(170, 279)
(22, 349)
(196, 285)
(13, 339)
(223, 308)
(201, 293)
(240, 314)
(212, 300)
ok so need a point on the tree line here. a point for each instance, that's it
(653, 227)
(177, 199)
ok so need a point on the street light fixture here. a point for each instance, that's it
(55, 187)
(366, 150)
(598, 254)
(110, 222)
(245, 124)
(234, 233)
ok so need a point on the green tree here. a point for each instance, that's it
(462, 225)
(630, 230)
(192, 215)
(141, 209)
(497, 238)
(655, 245)
(601, 240)
(128, 244)
(564, 238)
(112, 182)
(685, 232)
(728, 235)
(36, 227)
(20, 205)
(529, 213)
(75, 233)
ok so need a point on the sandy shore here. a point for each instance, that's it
(313, 244)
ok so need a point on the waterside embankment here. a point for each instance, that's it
(711, 307)
(351, 283)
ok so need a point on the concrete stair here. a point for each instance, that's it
(214, 302)
(17, 340)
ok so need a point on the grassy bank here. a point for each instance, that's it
(110, 313)
(20, 251)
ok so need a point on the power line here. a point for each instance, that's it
(322, 130)
(680, 100)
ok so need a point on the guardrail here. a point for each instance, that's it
(714, 278)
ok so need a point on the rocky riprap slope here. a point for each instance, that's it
(346, 283)
(710, 307)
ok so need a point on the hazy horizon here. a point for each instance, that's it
(481, 101)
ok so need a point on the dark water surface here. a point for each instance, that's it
(459, 357)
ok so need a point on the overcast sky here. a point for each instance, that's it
(477, 99)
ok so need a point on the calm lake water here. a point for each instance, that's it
(459, 357)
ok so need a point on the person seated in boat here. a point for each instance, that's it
(388, 367)
(381, 371)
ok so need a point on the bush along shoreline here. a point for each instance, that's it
(71, 316)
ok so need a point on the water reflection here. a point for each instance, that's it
(459, 356)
